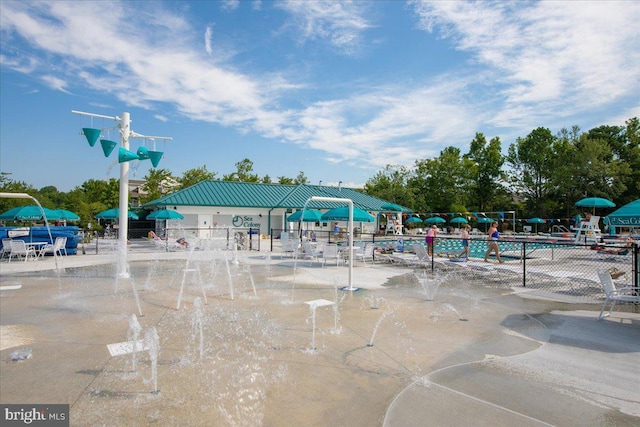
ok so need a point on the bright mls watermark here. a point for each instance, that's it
(55, 415)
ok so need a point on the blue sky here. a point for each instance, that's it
(337, 90)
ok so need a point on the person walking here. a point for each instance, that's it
(492, 241)
(431, 239)
(465, 242)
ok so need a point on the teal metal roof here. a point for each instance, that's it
(258, 195)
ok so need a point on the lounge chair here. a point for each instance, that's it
(612, 294)
(57, 248)
(365, 254)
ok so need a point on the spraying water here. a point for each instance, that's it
(378, 323)
(152, 342)
(133, 335)
(447, 308)
(197, 326)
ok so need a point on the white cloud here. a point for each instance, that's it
(339, 22)
(207, 40)
(550, 58)
(55, 83)
(230, 5)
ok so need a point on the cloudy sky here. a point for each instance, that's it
(337, 90)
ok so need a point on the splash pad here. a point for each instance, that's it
(244, 359)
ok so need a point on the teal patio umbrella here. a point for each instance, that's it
(342, 214)
(165, 215)
(27, 213)
(310, 215)
(392, 207)
(115, 214)
(535, 221)
(413, 220)
(65, 215)
(459, 220)
(595, 202)
(434, 220)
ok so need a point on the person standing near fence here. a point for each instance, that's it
(465, 242)
(431, 239)
(492, 240)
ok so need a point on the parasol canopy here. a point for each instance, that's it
(115, 214)
(27, 213)
(434, 220)
(165, 214)
(342, 214)
(310, 215)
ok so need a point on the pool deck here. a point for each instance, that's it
(474, 355)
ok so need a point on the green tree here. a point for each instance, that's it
(391, 184)
(243, 172)
(193, 176)
(485, 171)
(531, 160)
(285, 180)
(158, 182)
(439, 183)
(301, 178)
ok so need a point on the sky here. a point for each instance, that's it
(337, 90)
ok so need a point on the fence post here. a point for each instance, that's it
(524, 264)
(635, 269)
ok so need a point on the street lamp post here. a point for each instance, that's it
(124, 157)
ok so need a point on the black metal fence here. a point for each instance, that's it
(553, 268)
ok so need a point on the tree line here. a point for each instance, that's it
(541, 174)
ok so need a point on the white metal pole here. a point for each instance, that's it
(123, 229)
(350, 203)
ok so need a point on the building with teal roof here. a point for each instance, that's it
(213, 203)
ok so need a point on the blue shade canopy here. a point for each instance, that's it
(392, 207)
(310, 215)
(536, 220)
(484, 220)
(459, 220)
(595, 202)
(342, 214)
(413, 220)
(165, 214)
(114, 214)
(626, 216)
(27, 213)
(65, 215)
(434, 220)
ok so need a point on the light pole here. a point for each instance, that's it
(124, 157)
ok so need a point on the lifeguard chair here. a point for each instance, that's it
(588, 231)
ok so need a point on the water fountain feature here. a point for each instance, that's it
(133, 336)
(447, 308)
(385, 314)
(239, 362)
(197, 325)
(152, 342)
(429, 284)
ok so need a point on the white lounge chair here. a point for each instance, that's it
(612, 294)
(19, 249)
(57, 248)
(365, 254)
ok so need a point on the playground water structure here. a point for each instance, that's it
(242, 358)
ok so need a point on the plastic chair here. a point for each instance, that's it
(330, 252)
(19, 249)
(6, 248)
(57, 248)
(612, 294)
